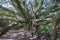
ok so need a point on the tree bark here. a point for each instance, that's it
(5, 29)
(53, 27)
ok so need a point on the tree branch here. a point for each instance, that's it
(48, 10)
(13, 19)
(5, 29)
(38, 7)
(8, 10)
(23, 12)
(55, 21)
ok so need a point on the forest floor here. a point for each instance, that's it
(20, 35)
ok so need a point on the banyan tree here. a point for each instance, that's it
(30, 13)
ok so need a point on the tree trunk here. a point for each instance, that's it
(53, 27)
(52, 32)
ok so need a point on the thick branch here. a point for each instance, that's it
(53, 27)
(13, 19)
(5, 29)
(47, 11)
(8, 27)
(8, 10)
(38, 6)
(23, 12)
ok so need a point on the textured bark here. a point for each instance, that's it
(5, 29)
(53, 27)
(53, 30)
